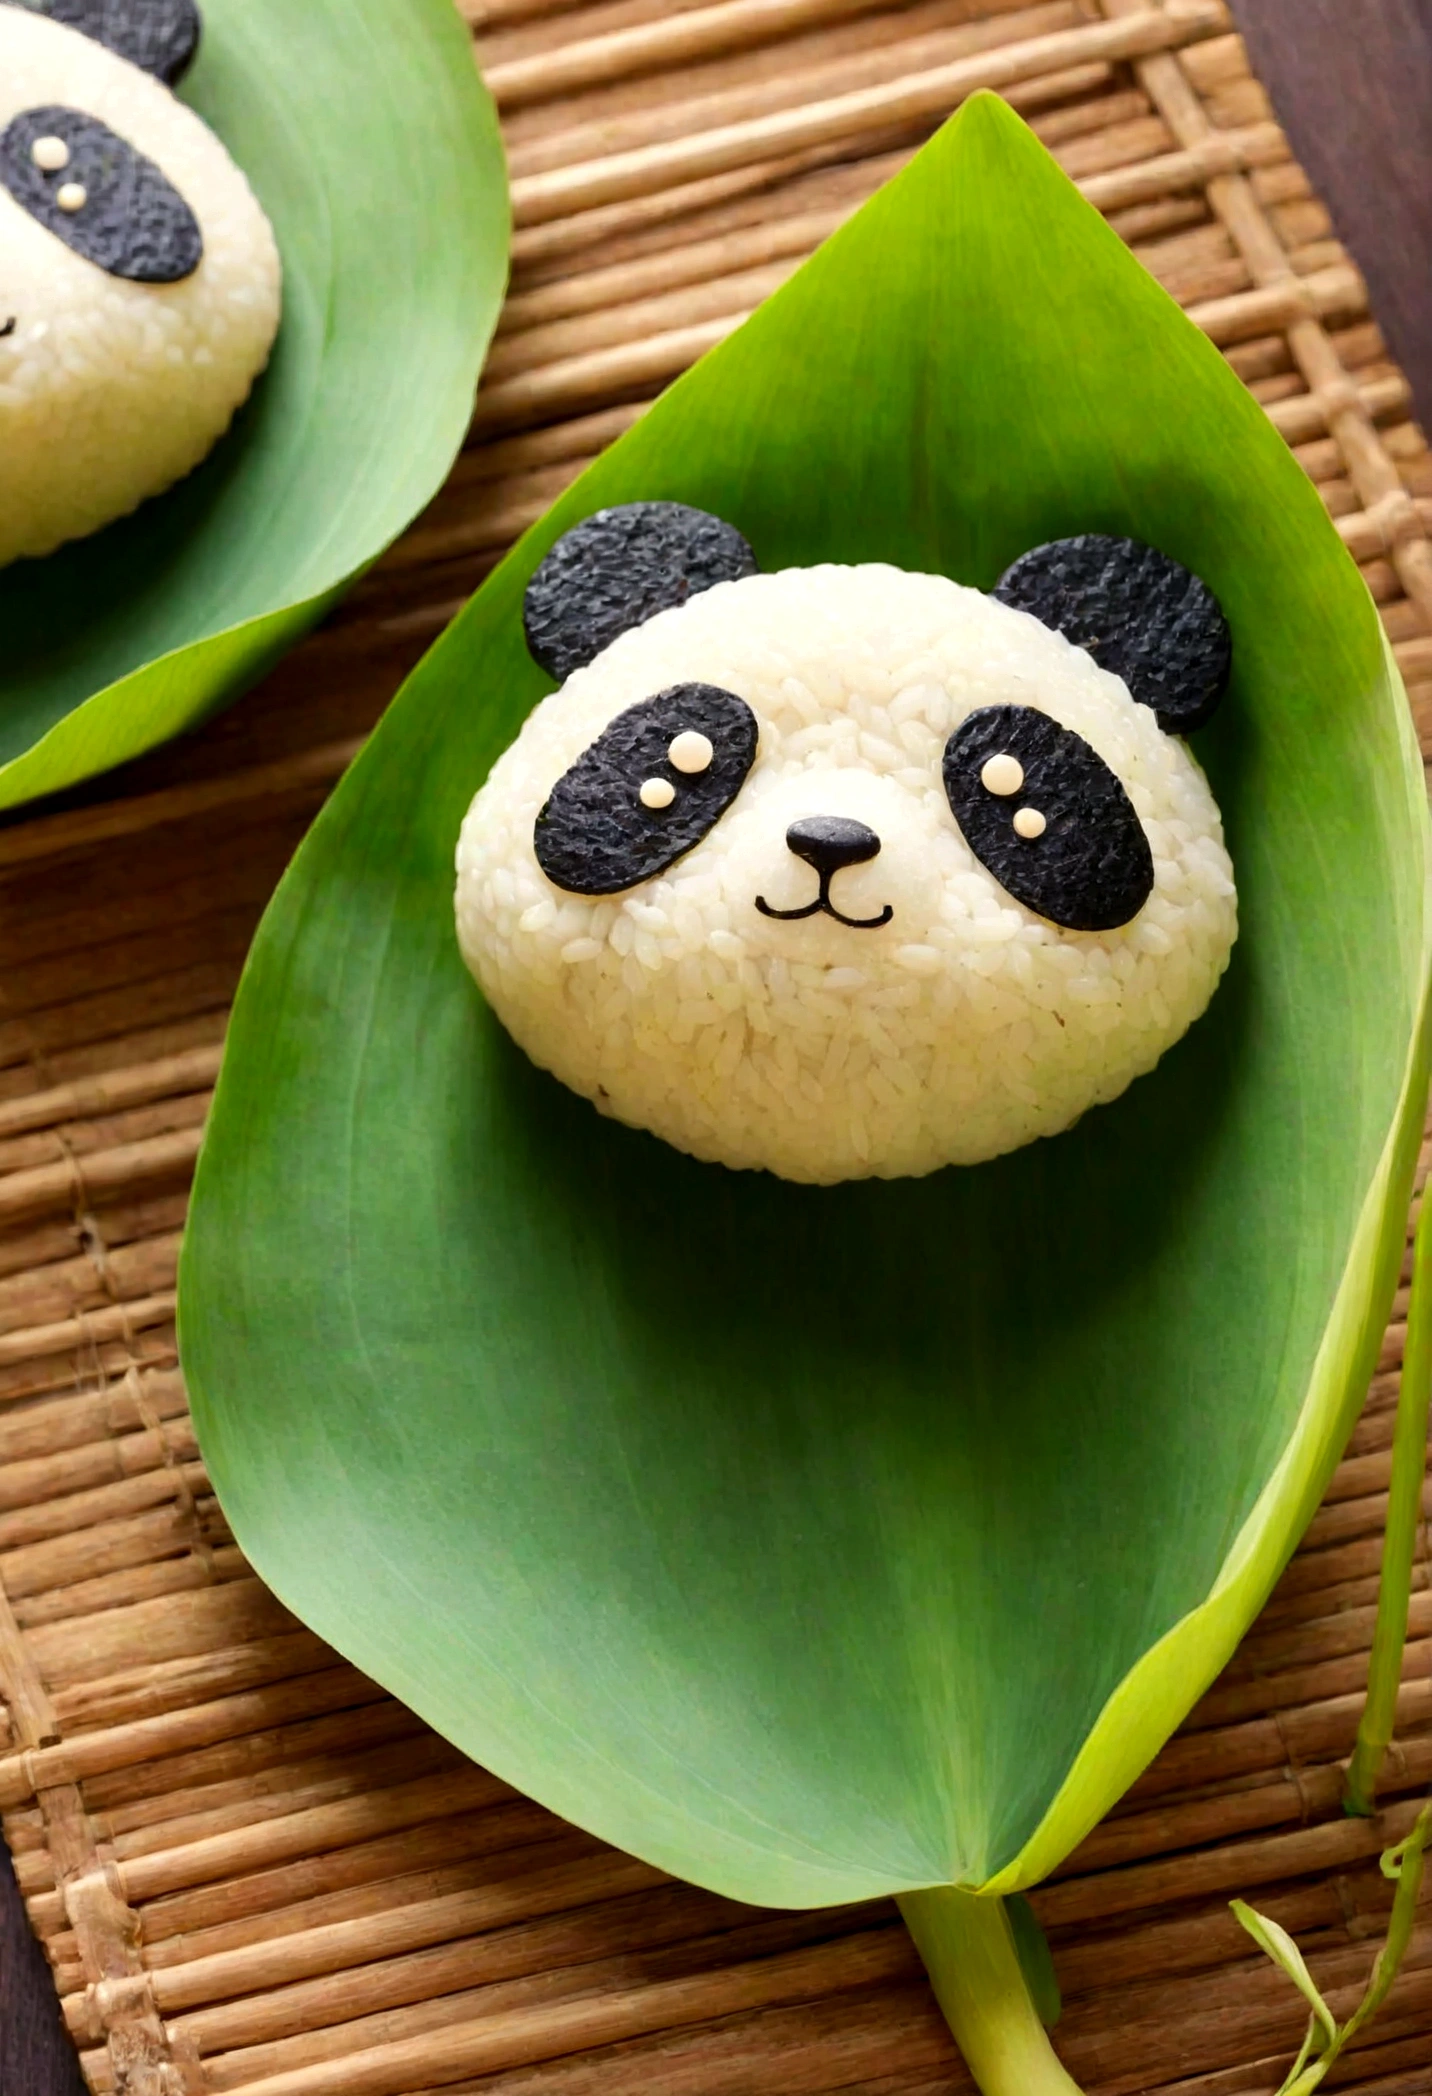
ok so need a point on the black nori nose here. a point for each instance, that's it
(828, 842)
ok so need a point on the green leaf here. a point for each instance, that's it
(1275, 1941)
(374, 149)
(819, 1543)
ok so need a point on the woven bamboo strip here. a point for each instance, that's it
(92, 1463)
(53, 834)
(56, 924)
(856, 53)
(146, 1691)
(25, 1527)
(1316, 1791)
(139, 1346)
(84, 1284)
(146, 1741)
(576, 1937)
(497, 2036)
(499, 1832)
(226, 1614)
(1249, 2027)
(341, 1945)
(48, 1032)
(846, 2043)
(79, 1139)
(157, 1824)
(193, 1071)
(264, 1764)
(569, 189)
(1316, 1732)
(64, 1337)
(1223, 1871)
(547, 247)
(815, 2046)
(810, 45)
(141, 1582)
(1348, 1630)
(1251, 1991)
(311, 1832)
(649, 47)
(46, 1188)
(168, 1524)
(45, 1432)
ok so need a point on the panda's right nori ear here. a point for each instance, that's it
(159, 36)
(1139, 613)
(618, 568)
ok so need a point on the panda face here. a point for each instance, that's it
(139, 281)
(844, 870)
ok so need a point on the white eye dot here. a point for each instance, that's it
(72, 196)
(1002, 774)
(1028, 822)
(657, 793)
(691, 752)
(50, 155)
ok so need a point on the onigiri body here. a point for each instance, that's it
(921, 1015)
(112, 386)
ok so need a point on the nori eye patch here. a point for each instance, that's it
(594, 836)
(1092, 868)
(1138, 613)
(133, 223)
(617, 569)
(158, 36)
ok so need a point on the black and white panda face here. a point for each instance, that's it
(848, 870)
(139, 281)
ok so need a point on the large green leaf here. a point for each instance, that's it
(373, 147)
(818, 1543)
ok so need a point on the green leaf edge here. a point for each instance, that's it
(240, 655)
(237, 656)
(1154, 1695)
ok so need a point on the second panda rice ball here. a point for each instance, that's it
(111, 390)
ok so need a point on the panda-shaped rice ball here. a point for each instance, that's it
(840, 871)
(139, 280)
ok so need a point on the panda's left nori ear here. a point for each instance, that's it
(1138, 613)
(617, 569)
(159, 36)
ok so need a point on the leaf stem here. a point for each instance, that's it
(1404, 1511)
(969, 1951)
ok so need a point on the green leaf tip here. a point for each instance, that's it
(986, 126)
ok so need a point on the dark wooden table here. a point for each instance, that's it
(1352, 82)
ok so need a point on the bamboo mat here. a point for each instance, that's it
(252, 1871)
